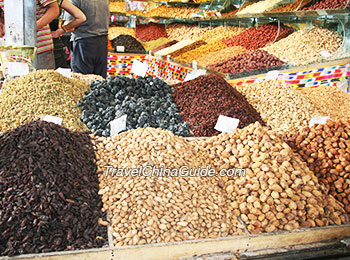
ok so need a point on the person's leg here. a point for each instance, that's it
(82, 56)
(101, 58)
(46, 60)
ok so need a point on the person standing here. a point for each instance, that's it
(89, 40)
(69, 26)
(46, 11)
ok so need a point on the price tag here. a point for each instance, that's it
(226, 124)
(194, 65)
(325, 54)
(139, 68)
(218, 14)
(15, 69)
(194, 74)
(132, 21)
(65, 72)
(52, 119)
(118, 125)
(120, 48)
(318, 120)
(272, 75)
(343, 85)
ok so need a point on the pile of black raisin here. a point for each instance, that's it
(146, 101)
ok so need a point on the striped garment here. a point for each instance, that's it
(44, 37)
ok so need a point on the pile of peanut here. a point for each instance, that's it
(220, 56)
(117, 7)
(181, 32)
(279, 191)
(219, 33)
(283, 108)
(326, 149)
(145, 210)
(304, 47)
(331, 101)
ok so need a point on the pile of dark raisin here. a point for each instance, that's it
(146, 101)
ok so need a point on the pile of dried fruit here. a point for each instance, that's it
(117, 6)
(255, 38)
(199, 52)
(220, 33)
(279, 192)
(127, 43)
(202, 100)
(150, 32)
(252, 60)
(220, 56)
(283, 108)
(151, 45)
(188, 48)
(146, 210)
(326, 149)
(39, 94)
(305, 46)
(49, 191)
(328, 4)
(297, 5)
(163, 46)
(330, 100)
(147, 102)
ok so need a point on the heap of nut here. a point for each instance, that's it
(326, 149)
(146, 210)
(279, 192)
(280, 106)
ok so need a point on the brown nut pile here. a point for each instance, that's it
(38, 94)
(201, 51)
(326, 149)
(115, 31)
(331, 101)
(179, 31)
(89, 78)
(283, 108)
(303, 46)
(117, 7)
(146, 210)
(220, 56)
(279, 192)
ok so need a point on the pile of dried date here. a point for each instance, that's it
(326, 149)
(49, 191)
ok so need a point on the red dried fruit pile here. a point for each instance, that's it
(253, 60)
(150, 32)
(255, 38)
(202, 100)
(328, 4)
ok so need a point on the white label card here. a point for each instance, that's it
(52, 119)
(226, 124)
(194, 74)
(194, 65)
(272, 75)
(118, 125)
(15, 69)
(139, 68)
(65, 72)
(321, 12)
(120, 48)
(318, 120)
(325, 54)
